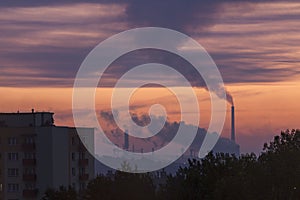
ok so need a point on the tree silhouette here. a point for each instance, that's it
(121, 185)
(280, 163)
(274, 175)
(100, 188)
(61, 194)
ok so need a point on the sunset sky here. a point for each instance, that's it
(255, 44)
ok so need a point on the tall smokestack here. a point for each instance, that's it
(232, 124)
(126, 140)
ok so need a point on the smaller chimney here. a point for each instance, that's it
(32, 110)
(232, 124)
(126, 140)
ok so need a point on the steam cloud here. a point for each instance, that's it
(229, 98)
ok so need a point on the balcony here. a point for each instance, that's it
(29, 177)
(28, 147)
(83, 177)
(83, 162)
(30, 193)
(29, 162)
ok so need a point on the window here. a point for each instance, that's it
(82, 186)
(73, 140)
(73, 172)
(30, 186)
(12, 141)
(13, 172)
(29, 140)
(81, 155)
(73, 156)
(13, 156)
(82, 171)
(13, 187)
(29, 171)
(29, 155)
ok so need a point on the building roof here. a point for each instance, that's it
(26, 113)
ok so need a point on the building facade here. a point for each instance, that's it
(36, 155)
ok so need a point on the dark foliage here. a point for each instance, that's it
(274, 175)
(61, 194)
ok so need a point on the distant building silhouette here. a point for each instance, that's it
(36, 155)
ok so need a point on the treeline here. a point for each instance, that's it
(274, 174)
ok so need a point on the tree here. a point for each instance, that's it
(280, 163)
(201, 177)
(240, 183)
(100, 188)
(61, 194)
(121, 185)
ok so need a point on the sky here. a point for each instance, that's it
(255, 44)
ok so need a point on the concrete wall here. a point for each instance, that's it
(52, 158)
(60, 152)
(87, 138)
(53, 152)
(5, 164)
(44, 157)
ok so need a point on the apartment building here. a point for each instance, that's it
(36, 155)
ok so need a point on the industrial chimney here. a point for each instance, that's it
(126, 140)
(232, 124)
